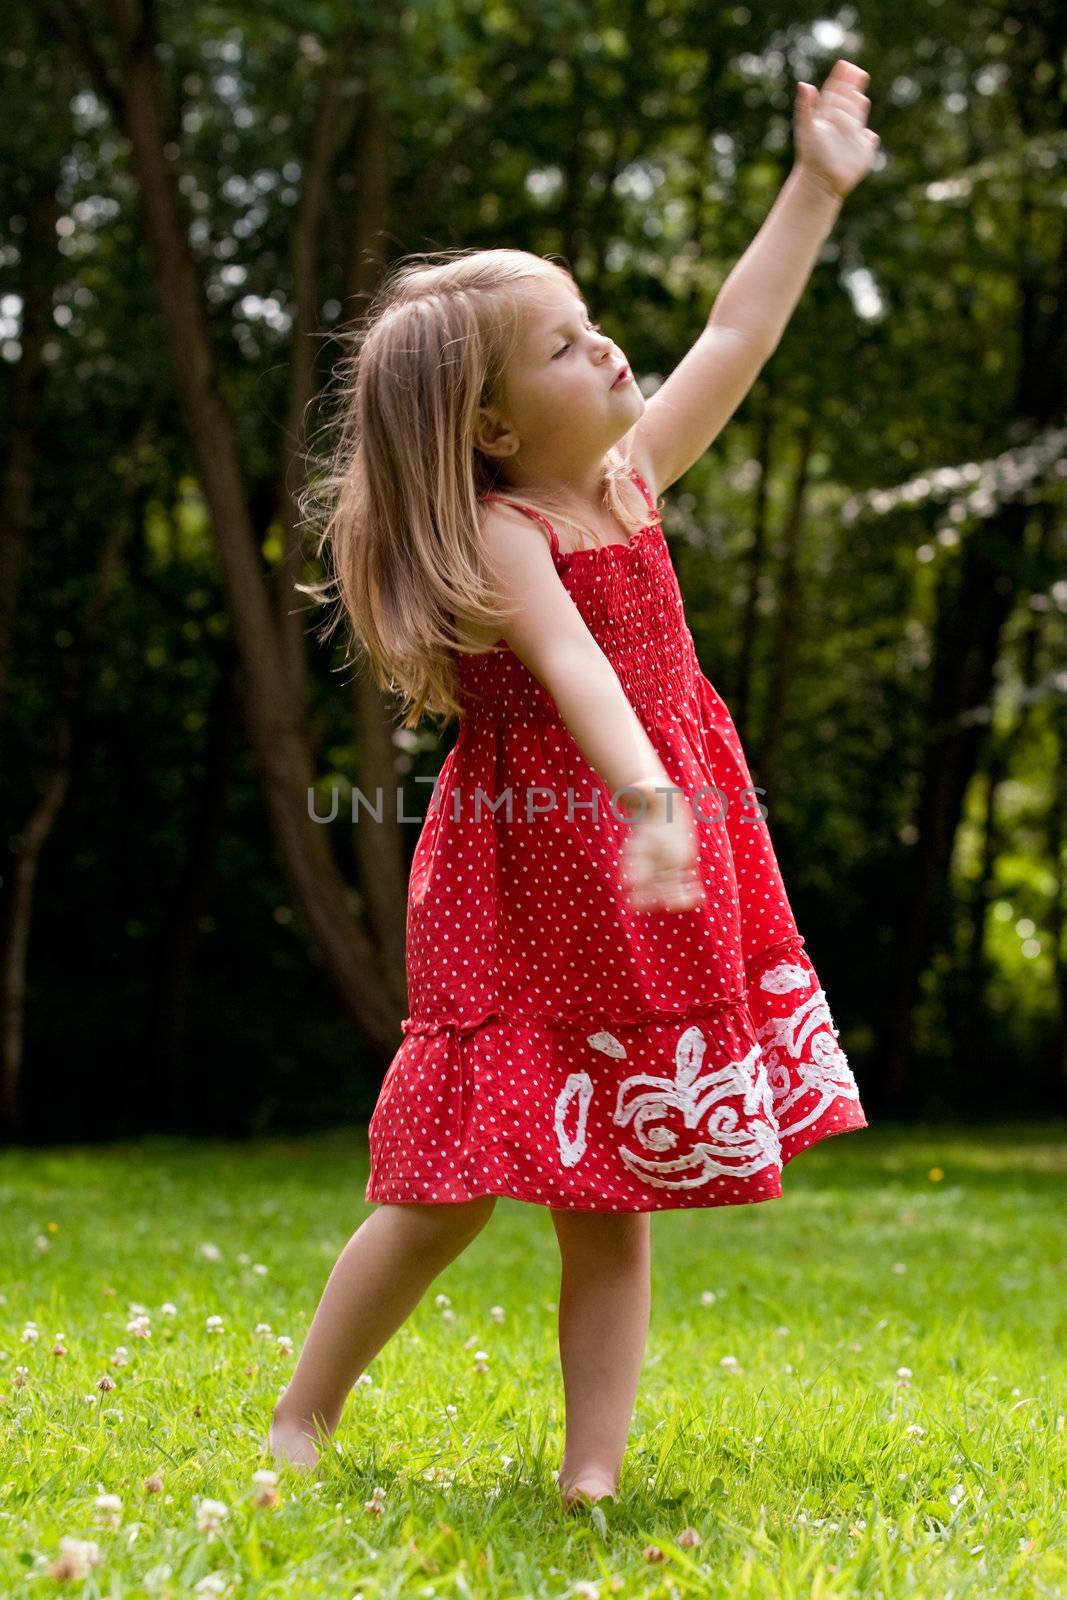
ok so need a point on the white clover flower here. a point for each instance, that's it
(284, 1343)
(140, 1326)
(956, 1495)
(452, 1411)
(211, 1252)
(212, 1583)
(265, 1475)
(243, 1258)
(481, 1355)
(260, 1270)
(75, 1558)
(42, 1242)
(448, 1315)
(263, 1330)
(30, 1333)
(214, 1324)
(899, 1267)
(365, 1377)
(497, 1313)
(121, 1356)
(441, 1300)
(708, 1298)
(135, 1310)
(904, 1372)
(728, 1361)
(168, 1309)
(915, 1427)
(210, 1515)
(110, 1508)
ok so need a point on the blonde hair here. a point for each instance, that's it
(395, 500)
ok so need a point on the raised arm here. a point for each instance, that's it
(834, 150)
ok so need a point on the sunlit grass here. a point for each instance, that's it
(856, 1390)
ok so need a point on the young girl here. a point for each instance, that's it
(612, 1010)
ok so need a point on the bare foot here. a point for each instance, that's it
(291, 1446)
(587, 1488)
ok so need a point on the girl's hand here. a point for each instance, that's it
(831, 139)
(660, 856)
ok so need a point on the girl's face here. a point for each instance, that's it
(562, 412)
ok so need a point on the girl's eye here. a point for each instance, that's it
(596, 329)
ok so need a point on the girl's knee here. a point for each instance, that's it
(450, 1217)
(601, 1231)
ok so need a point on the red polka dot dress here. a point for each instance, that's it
(562, 1048)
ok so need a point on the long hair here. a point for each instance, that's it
(395, 500)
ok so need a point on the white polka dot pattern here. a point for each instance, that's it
(563, 1049)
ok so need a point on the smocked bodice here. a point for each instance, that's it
(629, 598)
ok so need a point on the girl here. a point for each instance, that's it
(612, 1009)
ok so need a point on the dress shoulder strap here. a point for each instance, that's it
(530, 512)
(643, 486)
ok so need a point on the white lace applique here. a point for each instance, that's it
(728, 1143)
(803, 1058)
(608, 1043)
(788, 975)
(580, 1085)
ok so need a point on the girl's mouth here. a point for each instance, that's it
(624, 377)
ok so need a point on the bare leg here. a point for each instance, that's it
(377, 1281)
(604, 1305)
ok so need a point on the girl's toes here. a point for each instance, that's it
(587, 1489)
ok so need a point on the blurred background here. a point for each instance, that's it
(197, 197)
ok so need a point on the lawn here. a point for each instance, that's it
(858, 1389)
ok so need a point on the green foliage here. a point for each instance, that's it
(856, 1390)
(645, 150)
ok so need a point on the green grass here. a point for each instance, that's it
(814, 1466)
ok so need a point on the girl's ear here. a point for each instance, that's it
(492, 436)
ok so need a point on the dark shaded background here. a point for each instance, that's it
(872, 552)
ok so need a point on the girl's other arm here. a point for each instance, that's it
(834, 149)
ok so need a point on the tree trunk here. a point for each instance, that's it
(333, 125)
(36, 282)
(181, 934)
(787, 627)
(969, 1001)
(967, 636)
(741, 698)
(379, 847)
(967, 640)
(1057, 834)
(31, 838)
(271, 715)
